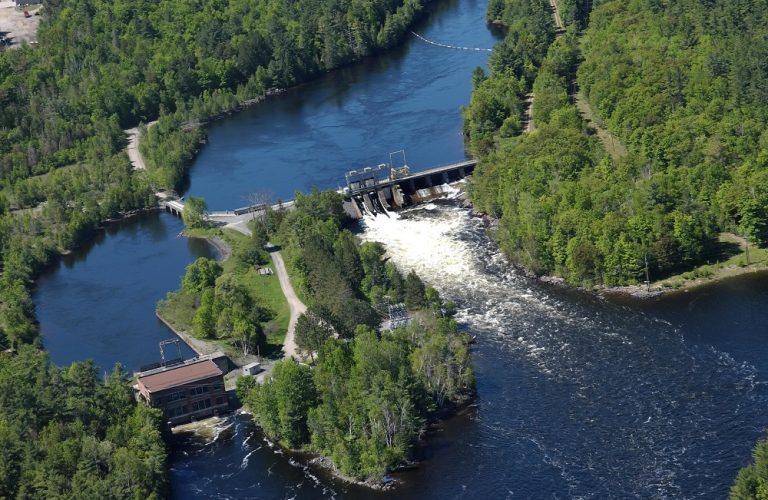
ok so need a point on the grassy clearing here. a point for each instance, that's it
(613, 146)
(179, 307)
(265, 288)
(731, 264)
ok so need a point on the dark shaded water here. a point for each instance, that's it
(583, 397)
(578, 397)
(310, 136)
(99, 302)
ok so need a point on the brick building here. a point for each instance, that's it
(185, 392)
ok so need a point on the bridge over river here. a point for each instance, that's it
(370, 190)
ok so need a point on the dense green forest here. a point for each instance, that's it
(66, 434)
(369, 394)
(103, 66)
(682, 84)
(752, 481)
(100, 67)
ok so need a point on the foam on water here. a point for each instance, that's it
(612, 398)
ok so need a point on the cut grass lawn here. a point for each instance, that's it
(731, 265)
(179, 307)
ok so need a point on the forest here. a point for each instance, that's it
(65, 433)
(752, 481)
(681, 84)
(99, 68)
(110, 65)
(369, 392)
(103, 66)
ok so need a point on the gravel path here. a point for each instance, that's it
(297, 306)
(133, 147)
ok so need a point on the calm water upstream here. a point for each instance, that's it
(578, 396)
(99, 302)
(408, 99)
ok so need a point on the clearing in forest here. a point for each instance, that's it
(612, 145)
(15, 27)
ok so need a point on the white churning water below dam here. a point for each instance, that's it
(578, 396)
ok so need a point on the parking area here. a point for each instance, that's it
(15, 27)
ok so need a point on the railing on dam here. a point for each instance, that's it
(369, 190)
(373, 178)
(375, 190)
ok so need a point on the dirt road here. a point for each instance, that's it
(297, 307)
(133, 147)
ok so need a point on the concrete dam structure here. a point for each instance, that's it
(370, 190)
(376, 190)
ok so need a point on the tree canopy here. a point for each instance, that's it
(66, 434)
(752, 481)
(681, 84)
(368, 393)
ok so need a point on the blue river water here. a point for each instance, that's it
(578, 396)
(99, 302)
(409, 99)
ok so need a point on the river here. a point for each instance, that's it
(407, 99)
(99, 301)
(590, 398)
(577, 396)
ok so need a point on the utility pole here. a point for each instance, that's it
(746, 248)
(647, 275)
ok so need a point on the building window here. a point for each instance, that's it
(175, 396)
(176, 412)
(198, 390)
(201, 405)
(218, 401)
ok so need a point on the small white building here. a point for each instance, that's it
(252, 368)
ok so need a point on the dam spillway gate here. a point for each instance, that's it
(376, 190)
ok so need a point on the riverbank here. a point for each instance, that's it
(742, 259)
(731, 266)
(223, 248)
(175, 142)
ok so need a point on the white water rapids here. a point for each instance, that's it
(609, 401)
(578, 397)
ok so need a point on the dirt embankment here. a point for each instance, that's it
(15, 28)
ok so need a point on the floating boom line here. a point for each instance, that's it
(477, 49)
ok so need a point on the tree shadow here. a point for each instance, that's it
(722, 250)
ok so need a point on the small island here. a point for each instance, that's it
(377, 353)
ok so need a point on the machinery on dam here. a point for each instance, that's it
(376, 190)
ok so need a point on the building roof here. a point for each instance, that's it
(180, 375)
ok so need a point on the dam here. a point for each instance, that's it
(376, 190)
(369, 190)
